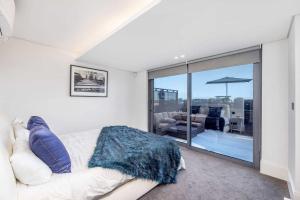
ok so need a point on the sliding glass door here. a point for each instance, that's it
(222, 105)
(212, 104)
(170, 107)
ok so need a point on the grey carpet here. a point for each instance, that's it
(211, 178)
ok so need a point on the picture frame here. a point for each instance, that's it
(88, 82)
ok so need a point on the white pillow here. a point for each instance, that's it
(20, 129)
(27, 167)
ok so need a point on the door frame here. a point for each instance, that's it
(257, 113)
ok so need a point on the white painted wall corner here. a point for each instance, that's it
(295, 195)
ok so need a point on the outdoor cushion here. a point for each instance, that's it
(214, 112)
(177, 117)
(157, 118)
(199, 118)
(184, 117)
(167, 120)
(165, 115)
(196, 124)
(195, 109)
(164, 125)
(204, 110)
(172, 114)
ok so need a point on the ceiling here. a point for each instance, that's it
(74, 25)
(195, 28)
(135, 35)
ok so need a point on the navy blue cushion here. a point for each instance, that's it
(36, 121)
(214, 112)
(47, 146)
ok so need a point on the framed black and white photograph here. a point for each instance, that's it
(88, 82)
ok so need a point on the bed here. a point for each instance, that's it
(82, 183)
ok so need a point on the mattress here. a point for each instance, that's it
(83, 182)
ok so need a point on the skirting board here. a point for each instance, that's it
(295, 195)
(271, 169)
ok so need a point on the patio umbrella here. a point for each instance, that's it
(227, 80)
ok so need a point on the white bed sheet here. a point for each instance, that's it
(82, 183)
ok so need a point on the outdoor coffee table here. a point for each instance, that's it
(180, 131)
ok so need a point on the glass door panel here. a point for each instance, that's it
(170, 107)
(222, 111)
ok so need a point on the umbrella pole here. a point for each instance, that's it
(226, 89)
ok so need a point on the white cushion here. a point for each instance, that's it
(20, 129)
(165, 115)
(27, 167)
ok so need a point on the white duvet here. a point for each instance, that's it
(82, 183)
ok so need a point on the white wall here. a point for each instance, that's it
(275, 109)
(294, 115)
(141, 101)
(291, 138)
(34, 80)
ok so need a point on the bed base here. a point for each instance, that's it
(132, 190)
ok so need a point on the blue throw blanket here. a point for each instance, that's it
(137, 153)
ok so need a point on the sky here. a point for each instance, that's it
(202, 90)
